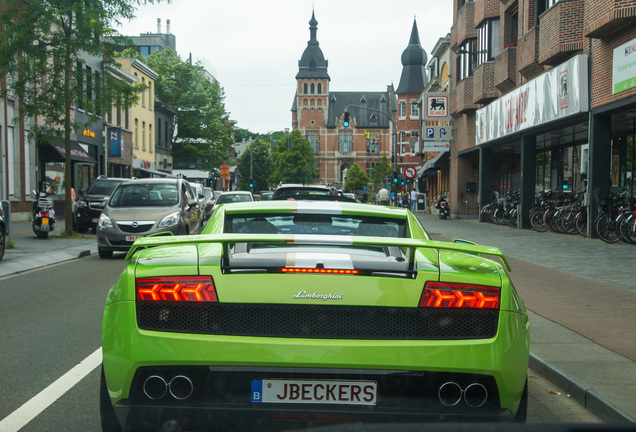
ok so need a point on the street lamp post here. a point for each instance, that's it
(395, 161)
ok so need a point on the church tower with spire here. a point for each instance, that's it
(312, 86)
(412, 83)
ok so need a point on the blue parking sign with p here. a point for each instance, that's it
(430, 133)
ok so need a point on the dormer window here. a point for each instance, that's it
(363, 100)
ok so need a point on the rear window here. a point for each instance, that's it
(229, 198)
(103, 187)
(315, 224)
(145, 195)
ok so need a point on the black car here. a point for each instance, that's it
(90, 204)
(310, 192)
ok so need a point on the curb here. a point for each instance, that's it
(584, 396)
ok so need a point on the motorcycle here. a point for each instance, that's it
(42, 215)
(443, 210)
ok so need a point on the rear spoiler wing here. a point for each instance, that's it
(309, 239)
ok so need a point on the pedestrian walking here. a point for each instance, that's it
(383, 196)
(413, 199)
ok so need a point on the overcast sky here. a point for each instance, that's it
(254, 45)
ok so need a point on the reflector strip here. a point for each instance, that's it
(455, 295)
(315, 270)
(177, 289)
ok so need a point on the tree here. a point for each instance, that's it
(262, 166)
(380, 171)
(356, 178)
(296, 165)
(43, 43)
(204, 131)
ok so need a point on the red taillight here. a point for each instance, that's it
(44, 214)
(318, 270)
(456, 295)
(176, 288)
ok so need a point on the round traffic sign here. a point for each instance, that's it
(410, 172)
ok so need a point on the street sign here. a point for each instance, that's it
(436, 106)
(438, 133)
(225, 171)
(410, 172)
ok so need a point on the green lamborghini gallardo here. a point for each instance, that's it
(288, 313)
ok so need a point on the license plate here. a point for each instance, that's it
(314, 391)
(45, 221)
(94, 220)
(133, 238)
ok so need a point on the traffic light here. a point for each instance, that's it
(345, 122)
(251, 184)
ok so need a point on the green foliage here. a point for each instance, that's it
(356, 178)
(297, 165)
(43, 49)
(380, 171)
(262, 166)
(204, 131)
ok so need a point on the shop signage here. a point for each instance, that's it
(559, 93)
(435, 146)
(88, 133)
(436, 106)
(624, 67)
(114, 143)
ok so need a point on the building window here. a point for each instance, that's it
(143, 136)
(150, 96)
(466, 53)
(403, 143)
(402, 109)
(488, 41)
(143, 93)
(313, 88)
(373, 143)
(150, 140)
(136, 133)
(415, 110)
(305, 88)
(314, 141)
(544, 5)
(345, 143)
(126, 119)
(319, 88)
(415, 141)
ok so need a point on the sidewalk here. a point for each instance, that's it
(31, 252)
(581, 295)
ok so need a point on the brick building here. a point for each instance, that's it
(318, 113)
(543, 97)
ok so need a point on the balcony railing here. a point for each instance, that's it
(605, 18)
(561, 32)
(484, 89)
(506, 69)
(464, 27)
(528, 54)
(461, 98)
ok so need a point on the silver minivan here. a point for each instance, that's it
(141, 207)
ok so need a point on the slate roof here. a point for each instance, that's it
(362, 118)
(414, 78)
(312, 64)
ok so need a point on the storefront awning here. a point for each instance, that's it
(431, 166)
(78, 154)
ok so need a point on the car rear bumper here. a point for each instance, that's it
(498, 363)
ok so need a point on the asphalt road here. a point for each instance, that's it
(50, 321)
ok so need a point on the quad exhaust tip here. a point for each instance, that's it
(450, 394)
(155, 387)
(180, 387)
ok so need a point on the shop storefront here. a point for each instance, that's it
(536, 138)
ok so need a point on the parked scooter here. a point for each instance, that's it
(42, 215)
(443, 210)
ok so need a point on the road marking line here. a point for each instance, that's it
(31, 409)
